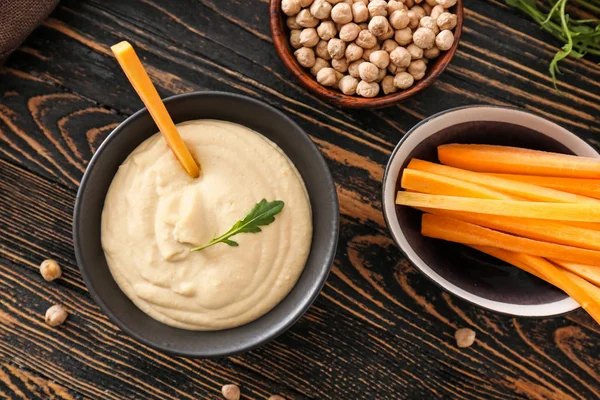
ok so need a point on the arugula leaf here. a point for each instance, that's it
(262, 214)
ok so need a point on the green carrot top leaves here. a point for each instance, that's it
(262, 214)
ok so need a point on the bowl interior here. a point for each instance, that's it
(468, 273)
(98, 177)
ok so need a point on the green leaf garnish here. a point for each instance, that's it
(263, 213)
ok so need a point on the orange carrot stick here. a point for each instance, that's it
(454, 230)
(587, 272)
(514, 160)
(524, 190)
(584, 187)
(587, 212)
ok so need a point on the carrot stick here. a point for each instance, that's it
(454, 230)
(524, 190)
(584, 187)
(587, 212)
(587, 225)
(514, 160)
(587, 272)
(426, 182)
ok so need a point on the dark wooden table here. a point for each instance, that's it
(379, 330)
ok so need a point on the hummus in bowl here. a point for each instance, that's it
(155, 213)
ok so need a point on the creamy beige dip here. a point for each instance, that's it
(154, 213)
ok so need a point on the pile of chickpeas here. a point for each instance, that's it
(364, 47)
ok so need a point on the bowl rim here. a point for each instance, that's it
(280, 41)
(235, 348)
(553, 309)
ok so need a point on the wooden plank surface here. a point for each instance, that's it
(379, 330)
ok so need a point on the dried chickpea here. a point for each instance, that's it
(326, 30)
(306, 3)
(428, 22)
(388, 34)
(415, 51)
(349, 32)
(417, 69)
(378, 25)
(436, 11)
(431, 53)
(393, 69)
(447, 21)
(399, 19)
(55, 315)
(367, 89)
(377, 8)
(400, 57)
(366, 40)
(387, 85)
(334, 2)
(295, 38)
(306, 20)
(336, 48)
(424, 38)
(291, 22)
(354, 52)
(431, 3)
(403, 80)
(394, 5)
(321, 9)
(389, 45)
(327, 77)
(319, 65)
(465, 337)
(427, 9)
(305, 57)
(322, 51)
(291, 7)
(368, 72)
(380, 58)
(403, 36)
(360, 12)
(348, 85)
(413, 19)
(446, 3)
(367, 52)
(309, 37)
(231, 392)
(365, 2)
(419, 11)
(340, 65)
(341, 13)
(444, 40)
(353, 68)
(381, 75)
(338, 76)
(50, 270)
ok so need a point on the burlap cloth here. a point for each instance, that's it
(18, 18)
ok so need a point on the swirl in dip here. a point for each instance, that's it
(154, 213)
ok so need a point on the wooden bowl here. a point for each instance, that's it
(281, 38)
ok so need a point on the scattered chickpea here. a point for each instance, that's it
(231, 392)
(403, 80)
(446, 3)
(349, 32)
(367, 52)
(382, 73)
(465, 337)
(336, 48)
(444, 40)
(353, 52)
(400, 57)
(389, 45)
(348, 85)
(430, 23)
(436, 11)
(403, 36)
(305, 57)
(413, 18)
(360, 12)
(387, 85)
(326, 30)
(417, 69)
(378, 25)
(367, 89)
(447, 21)
(399, 19)
(50, 270)
(394, 5)
(340, 65)
(326, 77)
(415, 51)
(320, 63)
(366, 40)
(291, 22)
(368, 72)
(353, 68)
(393, 69)
(309, 37)
(56, 315)
(321, 50)
(291, 7)
(341, 13)
(424, 38)
(295, 38)
(377, 8)
(431, 53)
(306, 20)
(380, 58)
(321, 9)
(388, 34)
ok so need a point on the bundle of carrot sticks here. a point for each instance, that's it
(536, 210)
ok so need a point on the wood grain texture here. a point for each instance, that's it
(379, 330)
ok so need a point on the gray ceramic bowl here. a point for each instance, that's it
(99, 174)
(467, 273)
